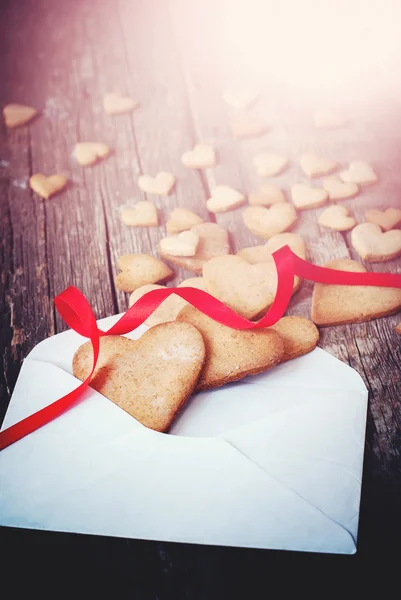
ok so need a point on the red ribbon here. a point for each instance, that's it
(77, 313)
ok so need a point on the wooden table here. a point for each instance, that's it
(62, 57)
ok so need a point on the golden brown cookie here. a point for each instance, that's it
(89, 153)
(387, 219)
(340, 304)
(373, 245)
(141, 214)
(232, 354)
(266, 222)
(160, 185)
(46, 187)
(182, 219)
(338, 190)
(337, 218)
(150, 378)
(269, 194)
(314, 165)
(269, 164)
(299, 335)
(140, 269)
(398, 328)
(16, 115)
(258, 254)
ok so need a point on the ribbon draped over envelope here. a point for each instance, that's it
(77, 313)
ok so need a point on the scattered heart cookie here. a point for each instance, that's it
(142, 214)
(182, 244)
(314, 165)
(213, 241)
(247, 289)
(202, 156)
(258, 254)
(266, 222)
(224, 198)
(232, 354)
(338, 190)
(45, 186)
(329, 118)
(115, 104)
(305, 196)
(16, 115)
(171, 306)
(89, 153)
(387, 219)
(398, 328)
(182, 219)
(268, 164)
(161, 185)
(341, 304)
(359, 172)
(299, 336)
(375, 246)
(337, 218)
(150, 378)
(139, 269)
(269, 194)
(248, 127)
(240, 99)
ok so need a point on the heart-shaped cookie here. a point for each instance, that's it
(337, 218)
(171, 306)
(375, 246)
(232, 354)
(150, 378)
(161, 185)
(47, 186)
(387, 219)
(398, 328)
(182, 219)
(266, 222)
(299, 336)
(89, 153)
(213, 241)
(16, 115)
(258, 254)
(247, 289)
(201, 157)
(305, 196)
(338, 190)
(268, 164)
(224, 198)
(140, 269)
(240, 99)
(269, 194)
(314, 165)
(142, 214)
(359, 172)
(248, 127)
(329, 118)
(341, 304)
(182, 244)
(115, 104)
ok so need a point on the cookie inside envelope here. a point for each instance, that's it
(271, 461)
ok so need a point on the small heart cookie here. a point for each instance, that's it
(47, 186)
(182, 244)
(305, 196)
(16, 115)
(142, 214)
(201, 157)
(266, 222)
(140, 269)
(213, 241)
(247, 289)
(299, 336)
(387, 219)
(232, 354)
(89, 153)
(161, 185)
(359, 172)
(314, 165)
(328, 118)
(248, 127)
(341, 304)
(114, 104)
(182, 219)
(268, 164)
(375, 246)
(337, 218)
(338, 190)
(258, 254)
(150, 378)
(398, 328)
(269, 194)
(240, 99)
(224, 198)
(171, 306)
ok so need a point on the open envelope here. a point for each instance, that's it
(272, 461)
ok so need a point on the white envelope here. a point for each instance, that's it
(273, 461)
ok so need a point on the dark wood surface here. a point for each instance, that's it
(62, 57)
